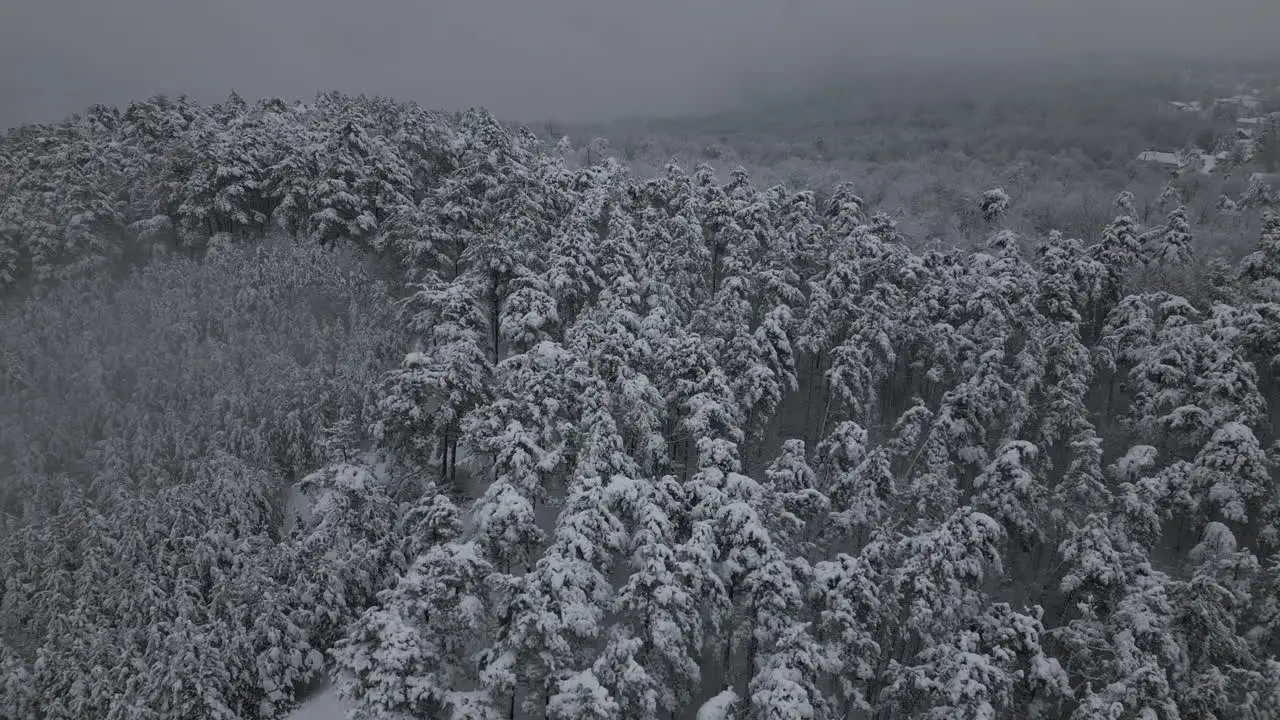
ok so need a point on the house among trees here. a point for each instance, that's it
(1160, 158)
(1198, 161)
(1244, 149)
(1247, 102)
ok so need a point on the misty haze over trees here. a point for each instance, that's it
(927, 400)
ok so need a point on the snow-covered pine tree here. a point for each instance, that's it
(994, 204)
(660, 628)
(422, 403)
(1171, 246)
(1261, 268)
(414, 653)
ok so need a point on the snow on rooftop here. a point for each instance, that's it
(1155, 156)
(1204, 161)
(1246, 100)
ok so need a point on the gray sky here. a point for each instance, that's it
(570, 59)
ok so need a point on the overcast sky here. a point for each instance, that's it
(569, 59)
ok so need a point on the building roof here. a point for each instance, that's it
(1166, 158)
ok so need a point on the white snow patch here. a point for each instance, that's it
(297, 510)
(324, 706)
(1208, 163)
(1165, 158)
(719, 707)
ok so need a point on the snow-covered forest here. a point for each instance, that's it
(1062, 140)
(482, 425)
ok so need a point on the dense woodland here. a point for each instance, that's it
(425, 404)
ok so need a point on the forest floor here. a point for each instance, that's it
(324, 705)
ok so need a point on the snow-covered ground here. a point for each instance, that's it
(719, 707)
(1209, 162)
(325, 705)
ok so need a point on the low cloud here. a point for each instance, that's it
(564, 59)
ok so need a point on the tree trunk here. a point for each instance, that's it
(726, 660)
(715, 267)
(814, 374)
(826, 413)
(444, 459)
(453, 462)
(494, 315)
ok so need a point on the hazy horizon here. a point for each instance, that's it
(567, 60)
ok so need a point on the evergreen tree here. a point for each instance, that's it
(1118, 250)
(1173, 245)
(412, 653)
(1261, 268)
